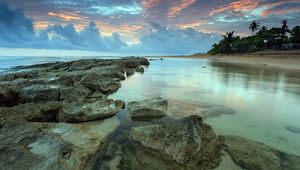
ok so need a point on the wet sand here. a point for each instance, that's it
(275, 59)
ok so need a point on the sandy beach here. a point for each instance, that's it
(275, 59)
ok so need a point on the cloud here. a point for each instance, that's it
(176, 9)
(16, 30)
(178, 41)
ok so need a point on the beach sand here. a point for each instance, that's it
(275, 59)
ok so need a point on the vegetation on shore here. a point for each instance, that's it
(262, 38)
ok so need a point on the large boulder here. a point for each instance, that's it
(180, 139)
(148, 109)
(38, 93)
(83, 112)
(165, 144)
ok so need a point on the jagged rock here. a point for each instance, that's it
(83, 112)
(148, 109)
(253, 155)
(129, 72)
(140, 70)
(38, 92)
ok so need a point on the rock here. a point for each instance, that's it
(148, 109)
(8, 96)
(83, 112)
(293, 129)
(140, 70)
(95, 81)
(176, 139)
(37, 93)
(217, 111)
(47, 113)
(129, 72)
(166, 144)
(74, 93)
(26, 147)
(249, 154)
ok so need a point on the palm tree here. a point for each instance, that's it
(284, 28)
(228, 40)
(254, 26)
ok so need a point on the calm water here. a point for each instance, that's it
(265, 100)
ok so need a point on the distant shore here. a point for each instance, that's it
(275, 59)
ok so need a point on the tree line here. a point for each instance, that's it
(262, 38)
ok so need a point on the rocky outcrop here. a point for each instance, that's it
(148, 109)
(55, 115)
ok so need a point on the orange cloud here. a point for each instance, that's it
(280, 11)
(41, 25)
(191, 24)
(249, 5)
(183, 4)
(151, 3)
(67, 16)
(241, 5)
(127, 31)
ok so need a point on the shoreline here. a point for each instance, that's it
(288, 60)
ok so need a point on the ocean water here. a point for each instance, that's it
(266, 101)
(9, 62)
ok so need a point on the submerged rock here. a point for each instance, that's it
(293, 129)
(253, 155)
(217, 111)
(148, 109)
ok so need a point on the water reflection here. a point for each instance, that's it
(265, 100)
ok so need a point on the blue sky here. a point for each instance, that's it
(134, 26)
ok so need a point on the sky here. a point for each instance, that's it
(135, 26)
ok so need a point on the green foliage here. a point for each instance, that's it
(295, 34)
(264, 39)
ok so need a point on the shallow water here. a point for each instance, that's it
(265, 100)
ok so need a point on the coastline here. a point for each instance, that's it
(289, 60)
